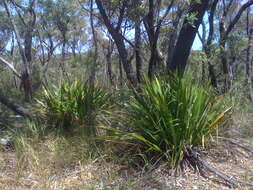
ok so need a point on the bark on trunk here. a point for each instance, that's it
(173, 39)
(223, 56)
(28, 46)
(138, 58)
(25, 78)
(90, 119)
(109, 60)
(187, 36)
(95, 46)
(62, 63)
(155, 59)
(26, 85)
(119, 41)
(207, 46)
(248, 65)
(120, 74)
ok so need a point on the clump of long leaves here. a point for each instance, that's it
(74, 104)
(169, 115)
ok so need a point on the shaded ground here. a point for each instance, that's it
(101, 175)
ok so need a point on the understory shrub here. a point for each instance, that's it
(169, 115)
(74, 105)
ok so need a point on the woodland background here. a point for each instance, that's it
(88, 80)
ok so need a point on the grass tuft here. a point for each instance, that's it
(74, 105)
(170, 115)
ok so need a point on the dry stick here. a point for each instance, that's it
(201, 164)
(224, 176)
(219, 173)
(239, 145)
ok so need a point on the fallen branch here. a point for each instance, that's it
(240, 145)
(192, 159)
(14, 107)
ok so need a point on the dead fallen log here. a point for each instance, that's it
(14, 107)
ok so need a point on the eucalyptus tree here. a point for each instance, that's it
(115, 30)
(47, 32)
(27, 17)
(153, 24)
(207, 41)
(224, 41)
(249, 56)
(187, 35)
(61, 18)
(62, 27)
(77, 34)
(230, 9)
(154, 16)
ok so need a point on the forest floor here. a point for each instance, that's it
(234, 159)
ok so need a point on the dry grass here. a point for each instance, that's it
(59, 163)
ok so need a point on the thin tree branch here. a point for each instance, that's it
(21, 50)
(121, 16)
(200, 38)
(210, 19)
(10, 66)
(237, 17)
(163, 17)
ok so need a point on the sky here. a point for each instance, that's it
(197, 44)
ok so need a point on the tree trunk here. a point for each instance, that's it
(248, 64)
(173, 39)
(223, 55)
(95, 46)
(149, 25)
(26, 85)
(119, 41)
(74, 43)
(63, 57)
(109, 60)
(120, 74)
(224, 34)
(207, 46)
(212, 74)
(90, 118)
(26, 81)
(187, 36)
(25, 78)
(138, 59)
(155, 59)
(28, 47)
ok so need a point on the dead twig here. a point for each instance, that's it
(240, 145)
(193, 158)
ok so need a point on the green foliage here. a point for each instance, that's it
(74, 104)
(170, 115)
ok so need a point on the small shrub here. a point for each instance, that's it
(74, 104)
(170, 115)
